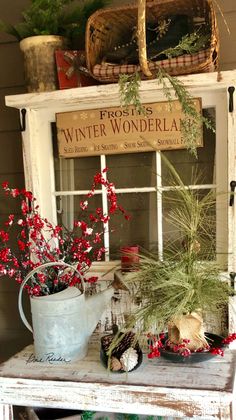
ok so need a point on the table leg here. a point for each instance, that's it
(6, 412)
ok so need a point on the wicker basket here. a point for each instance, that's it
(106, 27)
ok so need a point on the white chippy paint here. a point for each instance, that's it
(200, 391)
(87, 97)
(6, 412)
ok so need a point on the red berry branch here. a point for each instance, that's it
(31, 240)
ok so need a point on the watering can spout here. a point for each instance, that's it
(95, 306)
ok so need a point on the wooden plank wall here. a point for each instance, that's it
(13, 335)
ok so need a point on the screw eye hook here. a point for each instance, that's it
(23, 119)
(231, 90)
(232, 190)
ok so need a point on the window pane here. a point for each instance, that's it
(69, 209)
(141, 229)
(132, 170)
(174, 232)
(75, 174)
(72, 212)
(187, 165)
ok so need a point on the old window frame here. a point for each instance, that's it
(38, 150)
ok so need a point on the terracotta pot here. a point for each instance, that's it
(39, 61)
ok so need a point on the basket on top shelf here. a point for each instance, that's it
(125, 40)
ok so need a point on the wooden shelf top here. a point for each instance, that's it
(108, 94)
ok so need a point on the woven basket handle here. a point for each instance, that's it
(49, 264)
(142, 38)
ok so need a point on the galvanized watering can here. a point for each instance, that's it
(63, 322)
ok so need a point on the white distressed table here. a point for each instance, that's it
(199, 391)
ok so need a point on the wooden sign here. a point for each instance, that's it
(120, 130)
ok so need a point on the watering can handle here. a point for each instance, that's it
(49, 264)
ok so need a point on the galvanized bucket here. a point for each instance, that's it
(59, 321)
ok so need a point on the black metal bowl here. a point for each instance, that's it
(105, 359)
(214, 341)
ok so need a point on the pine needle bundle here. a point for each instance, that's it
(173, 287)
(187, 278)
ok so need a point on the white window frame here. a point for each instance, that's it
(209, 100)
(42, 107)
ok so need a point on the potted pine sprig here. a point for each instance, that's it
(174, 290)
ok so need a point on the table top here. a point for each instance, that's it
(157, 387)
(216, 374)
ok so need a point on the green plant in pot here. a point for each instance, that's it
(174, 290)
(49, 25)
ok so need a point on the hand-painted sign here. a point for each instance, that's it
(120, 130)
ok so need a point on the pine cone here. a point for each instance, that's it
(129, 359)
(115, 364)
(124, 344)
(106, 341)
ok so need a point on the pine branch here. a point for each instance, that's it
(129, 91)
(187, 278)
(189, 44)
(191, 125)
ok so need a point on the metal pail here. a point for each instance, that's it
(59, 322)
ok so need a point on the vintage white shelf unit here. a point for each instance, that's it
(40, 109)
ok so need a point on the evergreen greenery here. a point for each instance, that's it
(189, 44)
(129, 91)
(54, 17)
(87, 415)
(90, 415)
(192, 135)
(187, 277)
(130, 95)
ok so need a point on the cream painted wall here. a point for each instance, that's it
(13, 335)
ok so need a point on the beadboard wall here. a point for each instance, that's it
(13, 335)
